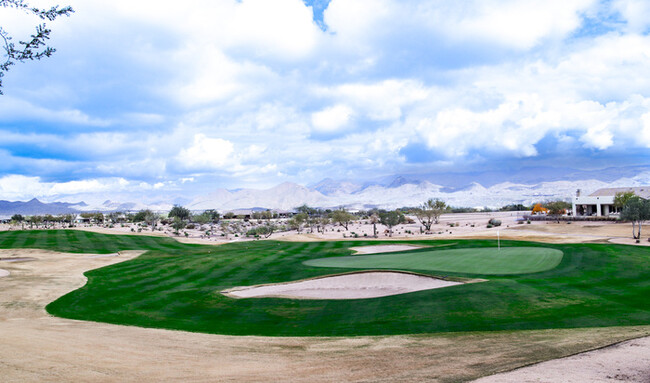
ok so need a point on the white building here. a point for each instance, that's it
(601, 202)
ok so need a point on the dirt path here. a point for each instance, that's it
(39, 348)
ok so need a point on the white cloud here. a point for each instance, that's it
(13, 108)
(515, 23)
(332, 119)
(511, 23)
(383, 100)
(20, 187)
(207, 153)
(635, 12)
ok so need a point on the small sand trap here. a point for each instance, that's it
(371, 284)
(383, 248)
(3, 273)
(104, 255)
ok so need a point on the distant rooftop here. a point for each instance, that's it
(641, 191)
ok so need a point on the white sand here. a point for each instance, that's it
(18, 259)
(104, 255)
(383, 248)
(3, 273)
(348, 286)
(624, 362)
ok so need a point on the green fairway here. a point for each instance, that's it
(176, 286)
(486, 260)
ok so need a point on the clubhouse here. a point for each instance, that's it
(601, 202)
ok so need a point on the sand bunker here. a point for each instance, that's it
(383, 248)
(103, 255)
(3, 273)
(18, 259)
(360, 285)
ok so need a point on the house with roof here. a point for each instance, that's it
(601, 202)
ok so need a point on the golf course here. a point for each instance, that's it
(177, 286)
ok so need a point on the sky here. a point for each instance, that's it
(151, 98)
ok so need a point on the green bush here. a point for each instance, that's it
(494, 222)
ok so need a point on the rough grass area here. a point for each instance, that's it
(486, 261)
(177, 286)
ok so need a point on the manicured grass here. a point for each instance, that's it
(486, 260)
(176, 286)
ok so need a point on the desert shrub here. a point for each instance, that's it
(190, 226)
(489, 226)
(494, 222)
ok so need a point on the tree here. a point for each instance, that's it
(213, 215)
(322, 223)
(621, 198)
(151, 218)
(297, 221)
(17, 218)
(391, 218)
(202, 219)
(310, 211)
(557, 207)
(34, 49)
(430, 212)
(179, 212)
(374, 219)
(225, 228)
(637, 210)
(264, 230)
(342, 217)
(141, 216)
(539, 209)
(178, 225)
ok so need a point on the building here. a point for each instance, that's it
(601, 202)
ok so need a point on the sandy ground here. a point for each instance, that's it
(4, 273)
(465, 225)
(347, 286)
(624, 362)
(39, 348)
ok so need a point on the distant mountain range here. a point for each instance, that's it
(36, 207)
(400, 191)
(403, 191)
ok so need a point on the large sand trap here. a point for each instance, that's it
(361, 285)
(383, 248)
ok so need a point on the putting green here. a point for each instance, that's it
(486, 260)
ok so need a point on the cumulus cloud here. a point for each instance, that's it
(332, 119)
(206, 153)
(20, 187)
(255, 92)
